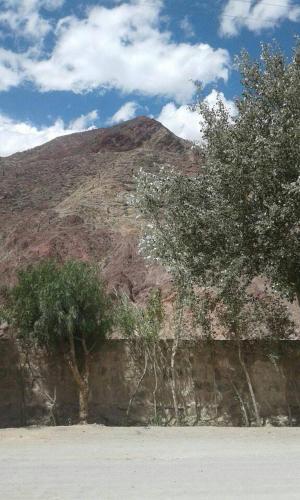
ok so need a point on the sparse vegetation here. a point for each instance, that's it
(141, 327)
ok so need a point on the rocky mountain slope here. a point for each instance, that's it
(68, 199)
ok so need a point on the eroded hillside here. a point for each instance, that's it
(69, 198)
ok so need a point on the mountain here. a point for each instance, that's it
(68, 199)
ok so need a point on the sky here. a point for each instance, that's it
(68, 66)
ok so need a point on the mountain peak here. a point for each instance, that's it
(69, 199)
(124, 136)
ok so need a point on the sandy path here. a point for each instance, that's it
(93, 462)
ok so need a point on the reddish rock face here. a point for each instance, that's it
(67, 199)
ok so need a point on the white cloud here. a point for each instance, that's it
(187, 27)
(18, 136)
(214, 96)
(181, 120)
(125, 47)
(256, 16)
(84, 121)
(185, 122)
(10, 70)
(24, 19)
(126, 112)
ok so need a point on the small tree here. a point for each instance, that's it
(66, 308)
(239, 217)
(242, 316)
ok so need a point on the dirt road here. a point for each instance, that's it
(101, 463)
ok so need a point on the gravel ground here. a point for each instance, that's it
(94, 462)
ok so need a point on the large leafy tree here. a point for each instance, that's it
(63, 308)
(239, 217)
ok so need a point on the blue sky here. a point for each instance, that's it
(66, 65)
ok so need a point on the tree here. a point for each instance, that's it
(239, 217)
(63, 308)
(141, 327)
(241, 316)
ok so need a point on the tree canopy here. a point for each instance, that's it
(63, 307)
(239, 216)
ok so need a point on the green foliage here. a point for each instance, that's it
(239, 217)
(143, 323)
(52, 303)
(239, 315)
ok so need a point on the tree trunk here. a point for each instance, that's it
(138, 384)
(175, 343)
(298, 297)
(81, 378)
(155, 384)
(173, 379)
(242, 405)
(84, 402)
(82, 381)
(250, 387)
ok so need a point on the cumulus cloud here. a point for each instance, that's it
(256, 16)
(18, 136)
(23, 17)
(124, 47)
(126, 112)
(181, 120)
(84, 121)
(185, 122)
(10, 70)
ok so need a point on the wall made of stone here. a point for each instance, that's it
(209, 385)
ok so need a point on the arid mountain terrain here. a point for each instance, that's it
(69, 199)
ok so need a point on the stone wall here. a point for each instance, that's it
(210, 385)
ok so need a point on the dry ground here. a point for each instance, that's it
(102, 463)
